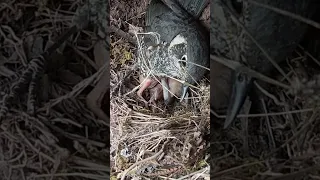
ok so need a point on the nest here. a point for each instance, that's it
(153, 57)
(280, 143)
(151, 143)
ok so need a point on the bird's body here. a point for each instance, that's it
(276, 33)
(156, 90)
(279, 35)
(178, 54)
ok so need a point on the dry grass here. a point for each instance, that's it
(63, 139)
(151, 143)
(282, 142)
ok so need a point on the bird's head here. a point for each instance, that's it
(165, 60)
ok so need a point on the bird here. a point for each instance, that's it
(175, 51)
(232, 22)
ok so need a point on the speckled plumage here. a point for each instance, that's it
(162, 20)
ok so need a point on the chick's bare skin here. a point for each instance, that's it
(148, 83)
(156, 90)
(156, 94)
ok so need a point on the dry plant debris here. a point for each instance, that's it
(47, 130)
(282, 142)
(151, 143)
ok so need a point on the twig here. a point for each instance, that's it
(270, 133)
(237, 66)
(76, 89)
(297, 174)
(311, 56)
(311, 120)
(216, 174)
(197, 172)
(143, 161)
(266, 114)
(123, 34)
(83, 175)
(271, 96)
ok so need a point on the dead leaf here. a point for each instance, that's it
(126, 56)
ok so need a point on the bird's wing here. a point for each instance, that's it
(194, 7)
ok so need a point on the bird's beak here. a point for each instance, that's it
(172, 86)
(184, 92)
(165, 87)
(240, 88)
(166, 94)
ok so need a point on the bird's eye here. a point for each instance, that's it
(237, 6)
(241, 77)
(183, 61)
(149, 51)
